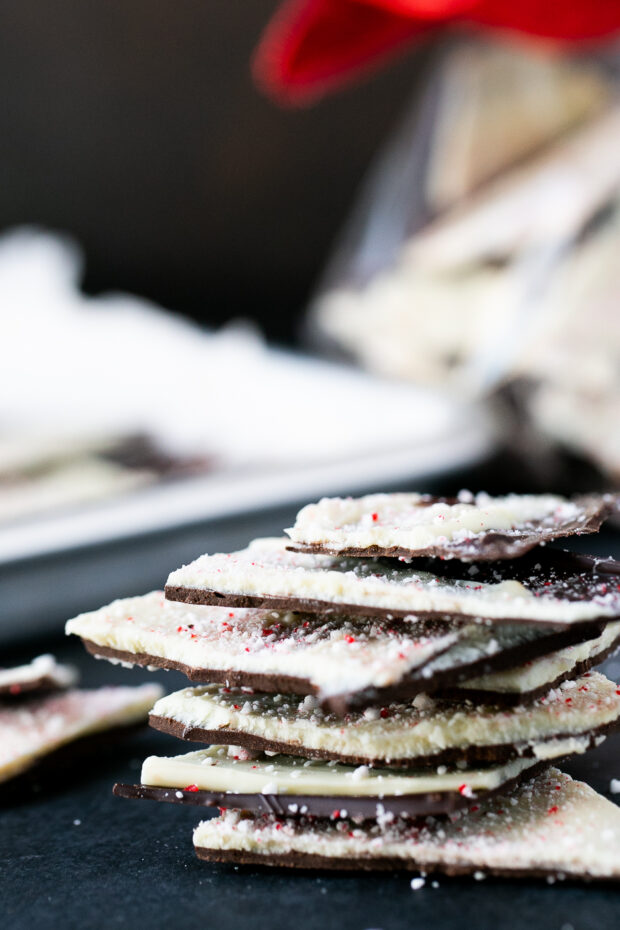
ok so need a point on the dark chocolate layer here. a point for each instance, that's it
(297, 860)
(26, 689)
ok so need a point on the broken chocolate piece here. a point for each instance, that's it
(467, 528)
(32, 730)
(546, 586)
(348, 662)
(425, 732)
(284, 785)
(39, 676)
(550, 826)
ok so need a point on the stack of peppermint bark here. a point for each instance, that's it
(389, 686)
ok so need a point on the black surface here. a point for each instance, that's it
(135, 127)
(131, 864)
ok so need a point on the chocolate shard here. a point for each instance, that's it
(423, 733)
(44, 725)
(550, 827)
(41, 675)
(546, 587)
(348, 662)
(480, 528)
(454, 792)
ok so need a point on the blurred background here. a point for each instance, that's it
(139, 131)
(214, 308)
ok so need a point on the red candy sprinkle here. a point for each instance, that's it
(553, 810)
(384, 712)
(349, 639)
(191, 788)
(375, 517)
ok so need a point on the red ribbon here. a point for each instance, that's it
(311, 47)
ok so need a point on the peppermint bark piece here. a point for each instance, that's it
(547, 586)
(537, 676)
(468, 528)
(36, 729)
(424, 732)
(550, 826)
(227, 777)
(43, 674)
(348, 662)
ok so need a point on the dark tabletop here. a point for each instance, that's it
(72, 855)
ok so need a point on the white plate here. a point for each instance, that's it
(224, 494)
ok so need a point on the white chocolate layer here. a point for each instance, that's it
(545, 670)
(419, 729)
(215, 770)
(551, 824)
(35, 729)
(42, 667)
(408, 521)
(335, 655)
(267, 569)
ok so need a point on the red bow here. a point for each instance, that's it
(313, 46)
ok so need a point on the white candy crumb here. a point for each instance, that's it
(417, 883)
(614, 786)
(423, 701)
(479, 876)
(76, 823)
